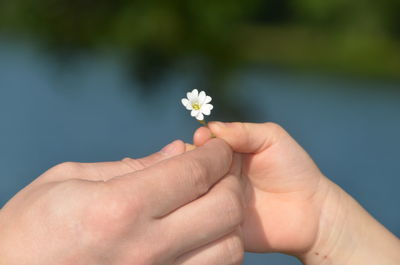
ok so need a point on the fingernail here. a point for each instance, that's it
(218, 124)
(169, 149)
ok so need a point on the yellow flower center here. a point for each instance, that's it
(196, 106)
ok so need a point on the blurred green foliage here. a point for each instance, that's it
(358, 37)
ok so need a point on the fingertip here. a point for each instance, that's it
(176, 147)
(201, 136)
(180, 146)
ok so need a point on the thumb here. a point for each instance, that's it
(201, 136)
(247, 137)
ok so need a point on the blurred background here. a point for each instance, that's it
(85, 80)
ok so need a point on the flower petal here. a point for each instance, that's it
(200, 116)
(185, 102)
(190, 96)
(202, 97)
(194, 101)
(208, 100)
(195, 93)
(206, 109)
(194, 113)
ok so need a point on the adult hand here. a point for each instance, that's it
(294, 208)
(170, 208)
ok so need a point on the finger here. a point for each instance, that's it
(103, 171)
(201, 136)
(173, 149)
(247, 137)
(212, 216)
(175, 182)
(227, 250)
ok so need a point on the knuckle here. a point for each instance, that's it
(275, 131)
(199, 177)
(117, 210)
(67, 167)
(127, 160)
(234, 249)
(62, 170)
(110, 207)
(273, 127)
(107, 216)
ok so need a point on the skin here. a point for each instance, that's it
(153, 210)
(293, 208)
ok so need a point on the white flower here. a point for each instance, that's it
(198, 104)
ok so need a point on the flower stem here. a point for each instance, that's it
(203, 122)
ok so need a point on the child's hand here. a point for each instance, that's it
(287, 190)
(293, 208)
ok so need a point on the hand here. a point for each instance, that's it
(171, 208)
(293, 208)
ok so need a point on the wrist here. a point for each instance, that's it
(349, 235)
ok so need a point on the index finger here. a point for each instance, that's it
(175, 182)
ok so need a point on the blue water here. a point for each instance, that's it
(91, 111)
